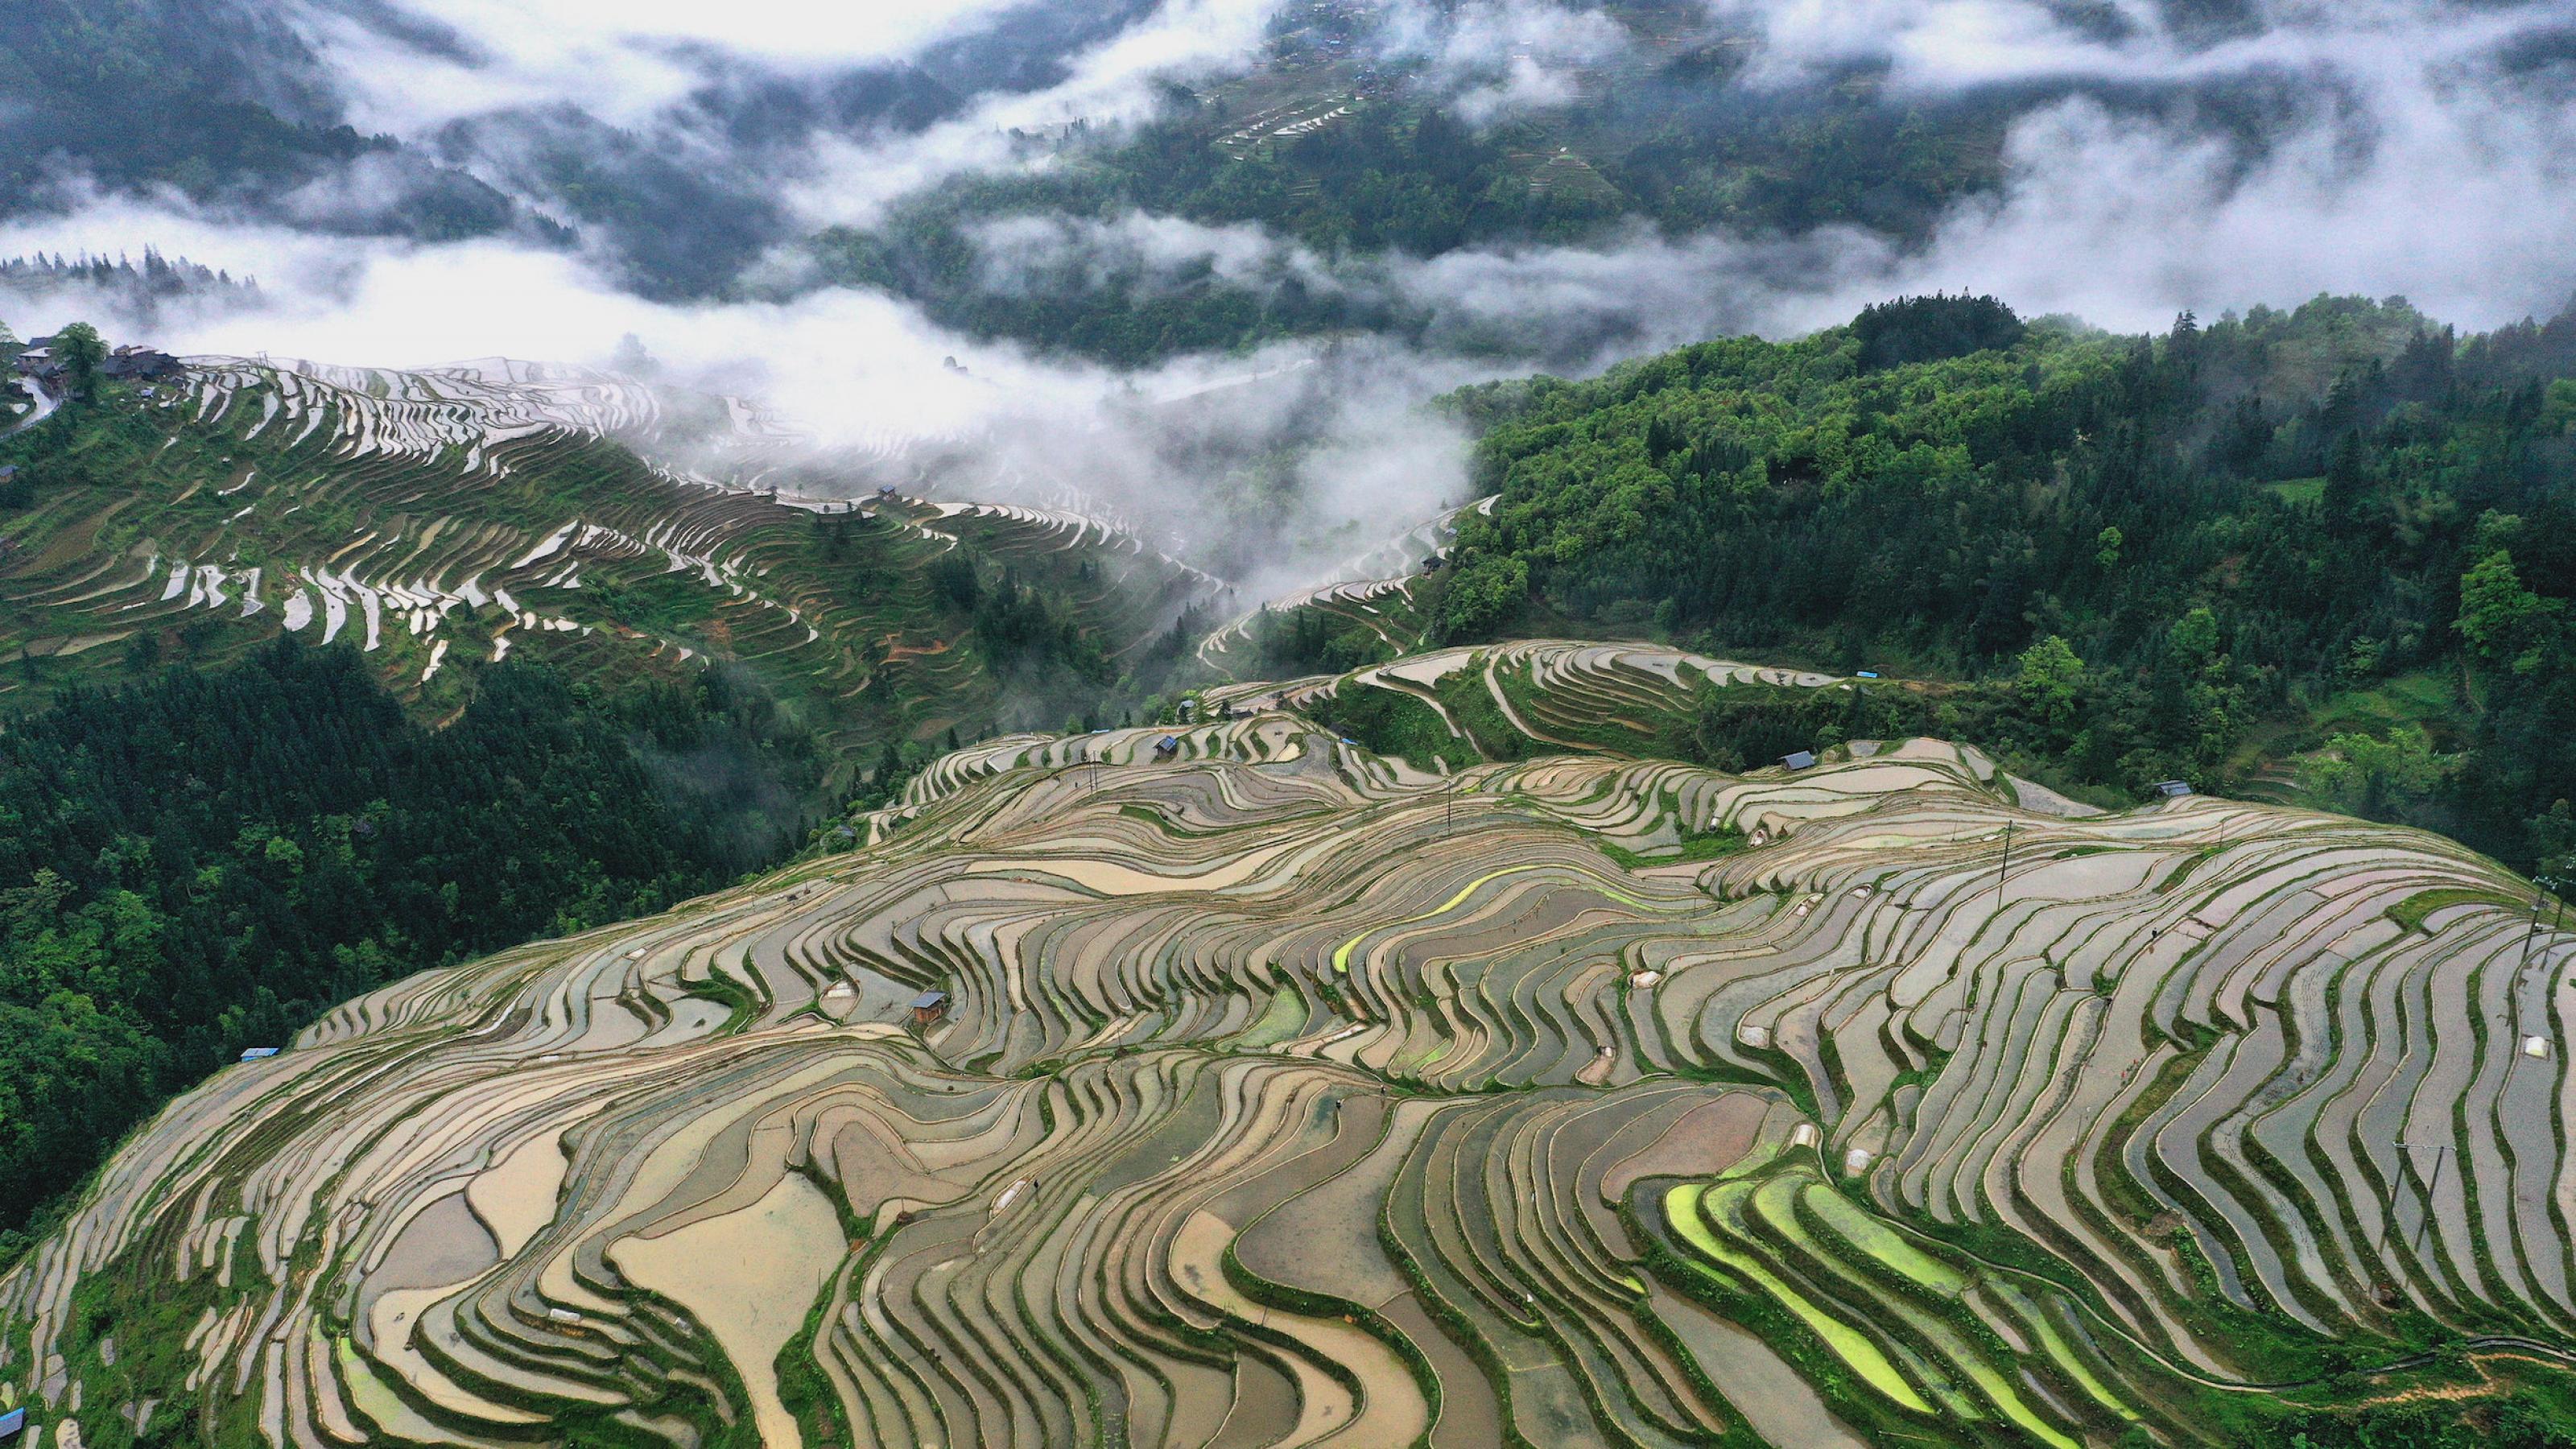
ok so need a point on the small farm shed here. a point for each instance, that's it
(929, 1007)
(1802, 760)
(2174, 789)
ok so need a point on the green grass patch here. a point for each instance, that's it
(2411, 912)
(1854, 1348)
(1696, 845)
(1393, 723)
(2424, 697)
(1863, 1230)
(1463, 693)
(1278, 1022)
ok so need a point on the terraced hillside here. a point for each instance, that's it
(1452, 706)
(1287, 1093)
(464, 513)
(1371, 592)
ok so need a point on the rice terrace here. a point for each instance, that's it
(1233, 1084)
(1287, 724)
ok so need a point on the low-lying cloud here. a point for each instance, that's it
(1261, 467)
(409, 66)
(2429, 151)
(1943, 46)
(1496, 58)
(1019, 255)
(852, 180)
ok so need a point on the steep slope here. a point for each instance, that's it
(2325, 549)
(1287, 1093)
(448, 517)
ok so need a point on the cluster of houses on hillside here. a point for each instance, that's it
(37, 364)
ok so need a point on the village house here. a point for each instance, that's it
(928, 1008)
(138, 363)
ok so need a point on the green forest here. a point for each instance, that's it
(214, 102)
(2341, 535)
(204, 862)
(1398, 177)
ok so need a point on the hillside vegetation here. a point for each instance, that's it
(203, 862)
(2340, 533)
(311, 679)
(445, 520)
(1364, 180)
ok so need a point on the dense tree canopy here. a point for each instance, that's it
(2172, 550)
(204, 862)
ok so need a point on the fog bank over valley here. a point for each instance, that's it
(2136, 161)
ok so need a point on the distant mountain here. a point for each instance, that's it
(232, 105)
(223, 102)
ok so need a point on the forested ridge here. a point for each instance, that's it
(220, 103)
(1422, 185)
(204, 862)
(2341, 535)
(1004, 256)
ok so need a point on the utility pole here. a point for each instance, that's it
(2389, 1220)
(2005, 873)
(2441, 1152)
(2524, 965)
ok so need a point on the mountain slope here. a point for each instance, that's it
(200, 862)
(444, 519)
(2282, 535)
(1281, 1080)
(313, 677)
